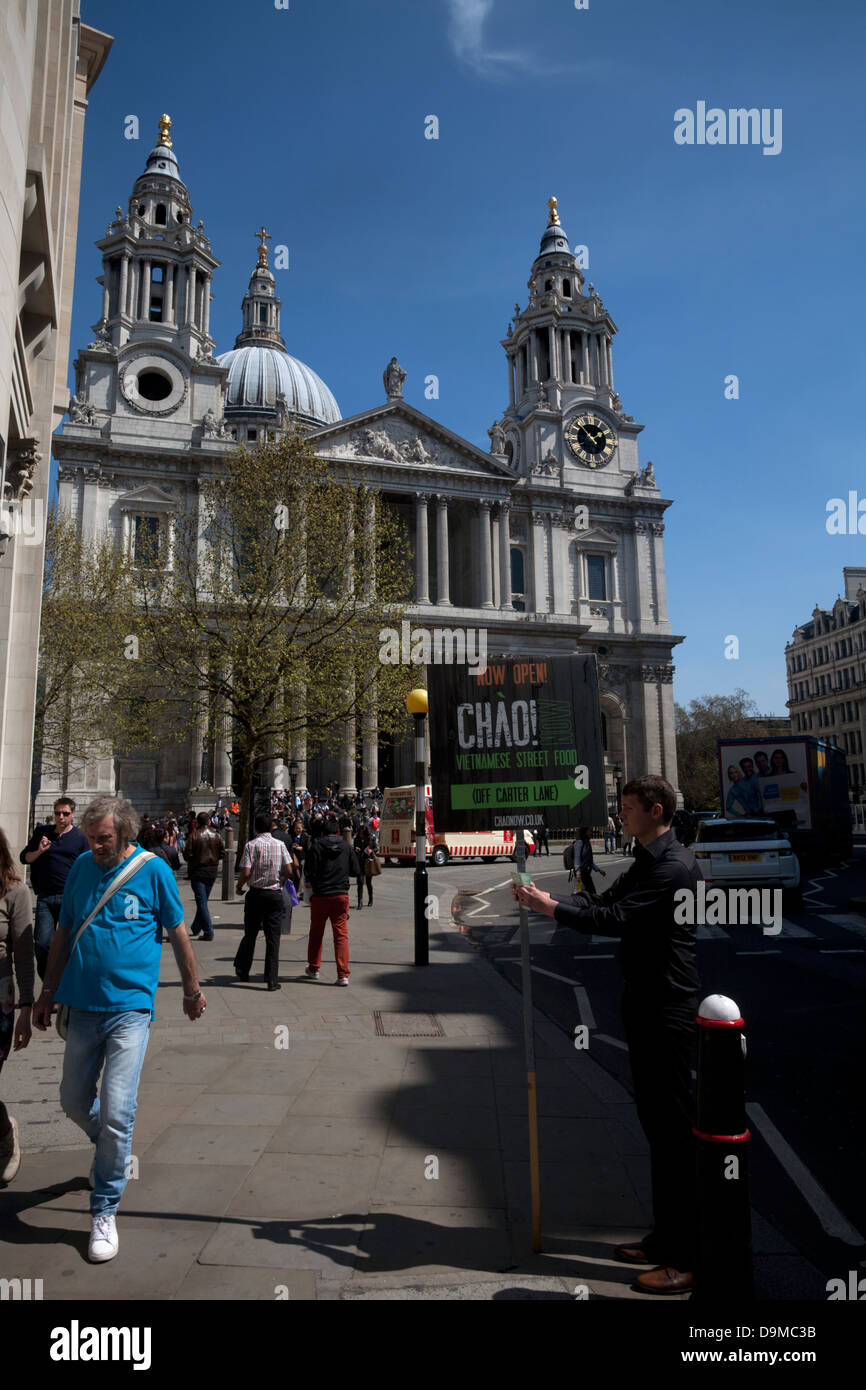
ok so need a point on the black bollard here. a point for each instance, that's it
(724, 1264)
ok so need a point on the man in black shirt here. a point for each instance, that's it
(51, 851)
(660, 997)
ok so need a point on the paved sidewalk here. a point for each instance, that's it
(284, 1149)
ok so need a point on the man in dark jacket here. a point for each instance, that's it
(51, 851)
(203, 851)
(660, 996)
(330, 863)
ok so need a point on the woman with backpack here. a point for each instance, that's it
(585, 864)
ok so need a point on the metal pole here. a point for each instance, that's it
(724, 1264)
(529, 1049)
(228, 890)
(422, 942)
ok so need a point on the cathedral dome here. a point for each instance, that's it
(260, 372)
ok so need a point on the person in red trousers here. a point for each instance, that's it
(330, 863)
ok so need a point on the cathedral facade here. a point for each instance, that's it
(551, 542)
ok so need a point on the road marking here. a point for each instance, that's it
(758, 953)
(705, 933)
(515, 960)
(794, 929)
(584, 1008)
(614, 1042)
(841, 950)
(598, 957)
(844, 919)
(829, 1215)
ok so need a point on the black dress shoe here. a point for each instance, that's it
(244, 978)
(272, 987)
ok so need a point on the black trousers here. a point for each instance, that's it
(263, 911)
(661, 1051)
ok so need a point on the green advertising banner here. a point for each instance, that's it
(516, 745)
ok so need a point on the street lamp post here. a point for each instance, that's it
(416, 704)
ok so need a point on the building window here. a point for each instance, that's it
(252, 435)
(566, 289)
(160, 217)
(596, 577)
(263, 313)
(147, 541)
(518, 580)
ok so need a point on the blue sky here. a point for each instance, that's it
(713, 260)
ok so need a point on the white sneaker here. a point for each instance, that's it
(103, 1239)
(342, 979)
(10, 1153)
(312, 973)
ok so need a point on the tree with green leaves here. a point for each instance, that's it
(262, 611)
(698, 726)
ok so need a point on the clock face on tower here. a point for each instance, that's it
(590, 439)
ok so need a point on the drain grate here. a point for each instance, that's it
(408, 1025)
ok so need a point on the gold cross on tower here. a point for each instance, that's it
(164, 131)
(553, 220)
(264, 237)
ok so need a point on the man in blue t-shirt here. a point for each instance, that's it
(108, 979)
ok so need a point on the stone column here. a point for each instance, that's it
(484, 555)
(505, 556)
(106, 293)
(189, 314)
(370, 750)
(585, 344)
(170, 271)
(369, 513)
(145, 290)
(511, 369)
(539, 566)
(554, 540)
(197, 747)
(609, 352)
(553, 348)
(422, 554)
(657, 531)
(123, 291)
(206, 305)
(442, 569)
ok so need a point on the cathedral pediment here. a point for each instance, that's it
(396, 435)
(148, 495)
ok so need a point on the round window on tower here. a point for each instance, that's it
(154, 386)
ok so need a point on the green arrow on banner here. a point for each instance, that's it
(468, 796)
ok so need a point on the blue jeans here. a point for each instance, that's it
(119, 1041)
(608, 841)
(201, 886)
(45, 921)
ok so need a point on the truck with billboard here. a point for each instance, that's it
(800, 782)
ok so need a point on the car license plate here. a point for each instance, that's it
(746, 858)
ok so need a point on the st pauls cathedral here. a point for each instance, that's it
(552, 541)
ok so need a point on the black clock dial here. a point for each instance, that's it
(590, 439)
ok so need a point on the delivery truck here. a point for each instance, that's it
(799, 782)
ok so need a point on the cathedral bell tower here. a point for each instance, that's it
(151, 368)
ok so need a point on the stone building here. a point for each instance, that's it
(826, 666)
(551, 541)
(49, 60)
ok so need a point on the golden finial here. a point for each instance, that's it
(553, 220)
(264, 237)
(164, 131)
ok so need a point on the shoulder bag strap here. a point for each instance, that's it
(123, 877)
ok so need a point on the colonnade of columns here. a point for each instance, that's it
(185, 292)
(576, 357)
(493, 539)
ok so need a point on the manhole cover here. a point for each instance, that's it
(408, 1025)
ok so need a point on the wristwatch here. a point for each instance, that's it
(192, 997)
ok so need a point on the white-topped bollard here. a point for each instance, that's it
(722, 1135)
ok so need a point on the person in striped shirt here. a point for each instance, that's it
(265, 866)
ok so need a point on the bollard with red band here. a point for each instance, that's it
(724, 1265)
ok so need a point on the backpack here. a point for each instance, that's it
(568, 857)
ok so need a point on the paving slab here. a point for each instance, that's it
(464, 1177)
(237, 1108)
(202, 1143)
(326, 1245)
(281, 1185)
(247, 1283)
(308, 1134)
(436, 1243)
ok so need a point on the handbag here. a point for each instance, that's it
(372, 867)
(61, 1021)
